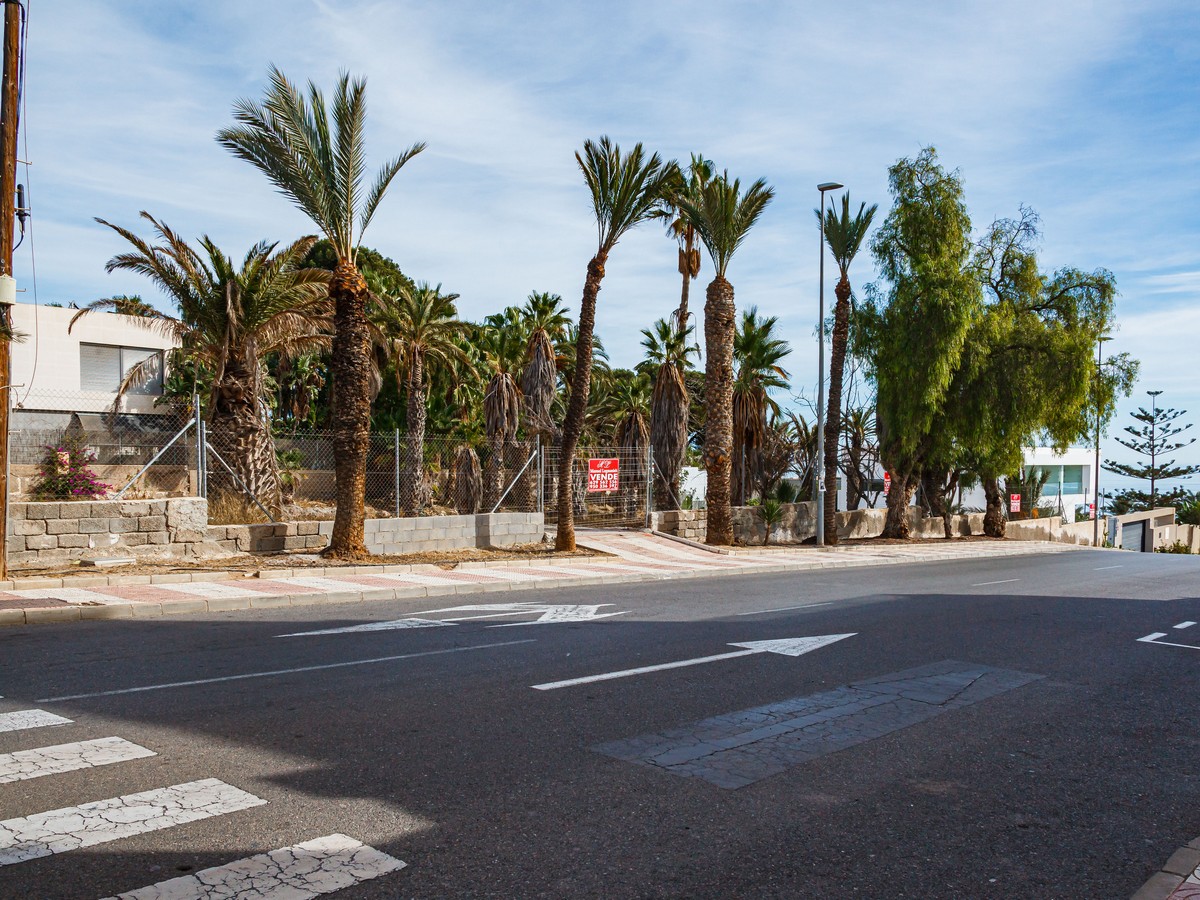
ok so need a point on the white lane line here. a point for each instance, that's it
(305, 870)
(321, 668)
(1102, 568)
(759, 612)
(1185, 624)
(1154, 639)
(625, 673)
(29, 718)
(25, 764)
(60, 830)
(1005, 581)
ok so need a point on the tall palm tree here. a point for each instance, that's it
(626, 407)
(844, 234)
(501, 339)
(722, 216)
(322, 169)
(228, 320)
(625, 190)
(422, 330)
(667, 350)
(757, 353)
(685, 185)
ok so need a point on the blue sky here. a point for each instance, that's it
(1086, 112)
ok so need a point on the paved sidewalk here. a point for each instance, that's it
(635, 557)
(1179, 878)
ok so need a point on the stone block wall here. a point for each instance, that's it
(59, 532)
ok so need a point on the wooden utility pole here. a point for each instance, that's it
(9, 101)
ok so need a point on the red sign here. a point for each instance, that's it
(1014, 502)
(1091, 510)
(603, 475)
(887, 483)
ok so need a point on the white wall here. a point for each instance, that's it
(45, 366)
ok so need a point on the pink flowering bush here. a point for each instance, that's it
(66, 474)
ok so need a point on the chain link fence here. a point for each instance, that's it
(611, 486)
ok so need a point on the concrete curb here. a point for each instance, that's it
(1175, 871)
(194, 605)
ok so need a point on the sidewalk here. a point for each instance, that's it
(1179, 878)
(635, 557)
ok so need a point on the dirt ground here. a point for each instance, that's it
(447, 559)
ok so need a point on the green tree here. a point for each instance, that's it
(625, 189)
(757, 353)
(289, 138)
(913, 335)
(844, 233)
(228, 319)
(722, 215)
(421, 329)
(685, 186)
(546, 319)
(1154, 439)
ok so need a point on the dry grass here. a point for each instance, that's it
(227, 508)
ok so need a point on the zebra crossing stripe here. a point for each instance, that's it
(59, 830)
(29, 718)
(305, 870)
(25, 764)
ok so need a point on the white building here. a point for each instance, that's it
(56, 371)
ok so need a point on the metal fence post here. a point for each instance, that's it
(203, 462)
(541, 477)
(199, 446)
(650, 486)
(396, 460)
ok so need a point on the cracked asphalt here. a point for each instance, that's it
(970, 740)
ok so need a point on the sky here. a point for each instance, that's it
(1086, 112)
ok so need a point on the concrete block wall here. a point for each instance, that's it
(48, 533)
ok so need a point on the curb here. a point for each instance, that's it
(193, 605)
(1180, 868)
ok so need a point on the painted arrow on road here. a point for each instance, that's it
(547, 614)
(785, 646)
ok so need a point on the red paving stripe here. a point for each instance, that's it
(142, 593)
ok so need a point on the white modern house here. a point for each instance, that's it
(56, 371)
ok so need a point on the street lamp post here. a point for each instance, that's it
(1096, 497)
(1153, 448)
(819, 480)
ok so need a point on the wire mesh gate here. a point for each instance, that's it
(611, 486)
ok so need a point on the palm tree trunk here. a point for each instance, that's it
(351, 368)
(239, 432)
(719, 312)
(993, 518)
(668, 431)
(685, 267)
(581, 381)
(410, 487)
(833, 415)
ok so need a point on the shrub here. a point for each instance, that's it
(1177, 547)
(786, 492)
(771, 512)
(65, 474)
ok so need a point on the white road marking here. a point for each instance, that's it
(759, 612)
(786, 646)
(393, 625)
(1154, 639)
(25, 764)
(320, 668)
(552, 614)
(1185, 624)
(59, 830)
(1005, 581)
(305, 870)
(1102, 568)
(30, 718)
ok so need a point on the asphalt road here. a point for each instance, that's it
(430, 743)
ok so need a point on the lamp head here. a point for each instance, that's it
(829, 186)
(1153, 393)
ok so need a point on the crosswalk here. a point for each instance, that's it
(314, 867)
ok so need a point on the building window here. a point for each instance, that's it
(1072, 479)
(103, 367)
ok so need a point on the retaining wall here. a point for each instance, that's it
(49, 533)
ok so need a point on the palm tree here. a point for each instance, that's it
(546, 319)
(684, 186)
(501, 340)
(421, 328)
(627, 405)
(228, 320)
(858, 438)
(757, 353)
(625, 189)
(722, 216)
(289, 139)
(667, 350)
(844, 234)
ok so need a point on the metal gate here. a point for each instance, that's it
(611, 486)
(1133, 535)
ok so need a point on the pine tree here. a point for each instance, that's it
(1155, 438)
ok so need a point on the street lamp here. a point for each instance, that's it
(1096, 497)
(1153, 461)
(819, 481)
